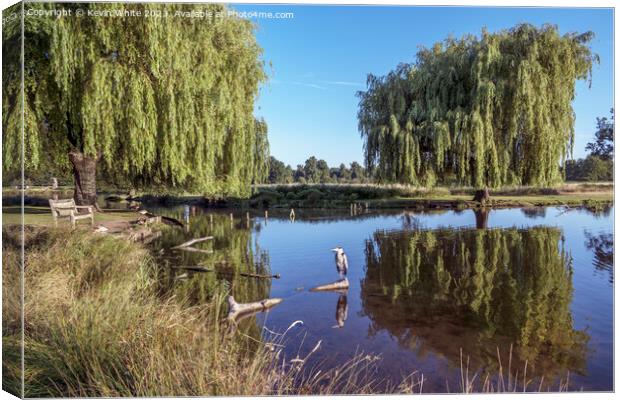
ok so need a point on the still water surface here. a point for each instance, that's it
(425, 287)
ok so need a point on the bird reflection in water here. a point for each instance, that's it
(342, 309)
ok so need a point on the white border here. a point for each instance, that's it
(471, 3)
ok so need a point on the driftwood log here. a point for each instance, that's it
(249, 275)
(199, 268)
(338, 285)
(237, 311)
(187, 246)
(191, 242)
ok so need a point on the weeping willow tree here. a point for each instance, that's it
(159, 99)
(480, 111)
(478, 290)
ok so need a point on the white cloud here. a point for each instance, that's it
(342, 83)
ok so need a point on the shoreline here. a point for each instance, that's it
(348, 197)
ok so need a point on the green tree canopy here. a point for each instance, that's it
(603, 146)
(599, 164)
(323, 169)
(279, 172)
(357, 171)
(480, 111)
(311, 170)
(344, 173)
(161, 99)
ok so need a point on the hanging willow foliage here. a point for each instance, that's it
(161, 99)
(488, 111)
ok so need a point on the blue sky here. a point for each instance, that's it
(321, 57)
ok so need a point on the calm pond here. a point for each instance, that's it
(425, 287)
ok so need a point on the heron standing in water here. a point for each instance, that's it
(342, 265)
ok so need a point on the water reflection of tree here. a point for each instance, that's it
(444, 290)
(601, 211)
(534, 212)
(233, 252)
(603, 247)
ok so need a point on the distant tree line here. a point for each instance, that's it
(599, 164)
(316, 171)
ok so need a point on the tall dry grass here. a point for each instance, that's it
(507, 379)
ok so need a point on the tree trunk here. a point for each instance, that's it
(84, 175)
(482, 196)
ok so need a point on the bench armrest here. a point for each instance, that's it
(63, 207)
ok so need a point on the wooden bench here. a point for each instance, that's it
(68, 209)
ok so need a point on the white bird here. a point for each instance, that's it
(342, 265)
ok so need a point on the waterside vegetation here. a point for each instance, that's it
(101, 319)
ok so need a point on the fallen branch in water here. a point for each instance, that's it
(187, 246)
(338, 285)
(191, 242)
(237, 310)
(247, 274)
(198, 268)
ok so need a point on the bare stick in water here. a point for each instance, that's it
(191, 242)
(237, 310)
(338, 285)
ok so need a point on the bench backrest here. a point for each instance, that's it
(62, 208)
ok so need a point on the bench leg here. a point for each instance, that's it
(92, 219)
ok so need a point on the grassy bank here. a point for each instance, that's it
(403, 196)
(332, 196)
(11, 215)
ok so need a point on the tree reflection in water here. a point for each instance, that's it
(534, 212)
(477, 290)
(603, 247)
(233, 253)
